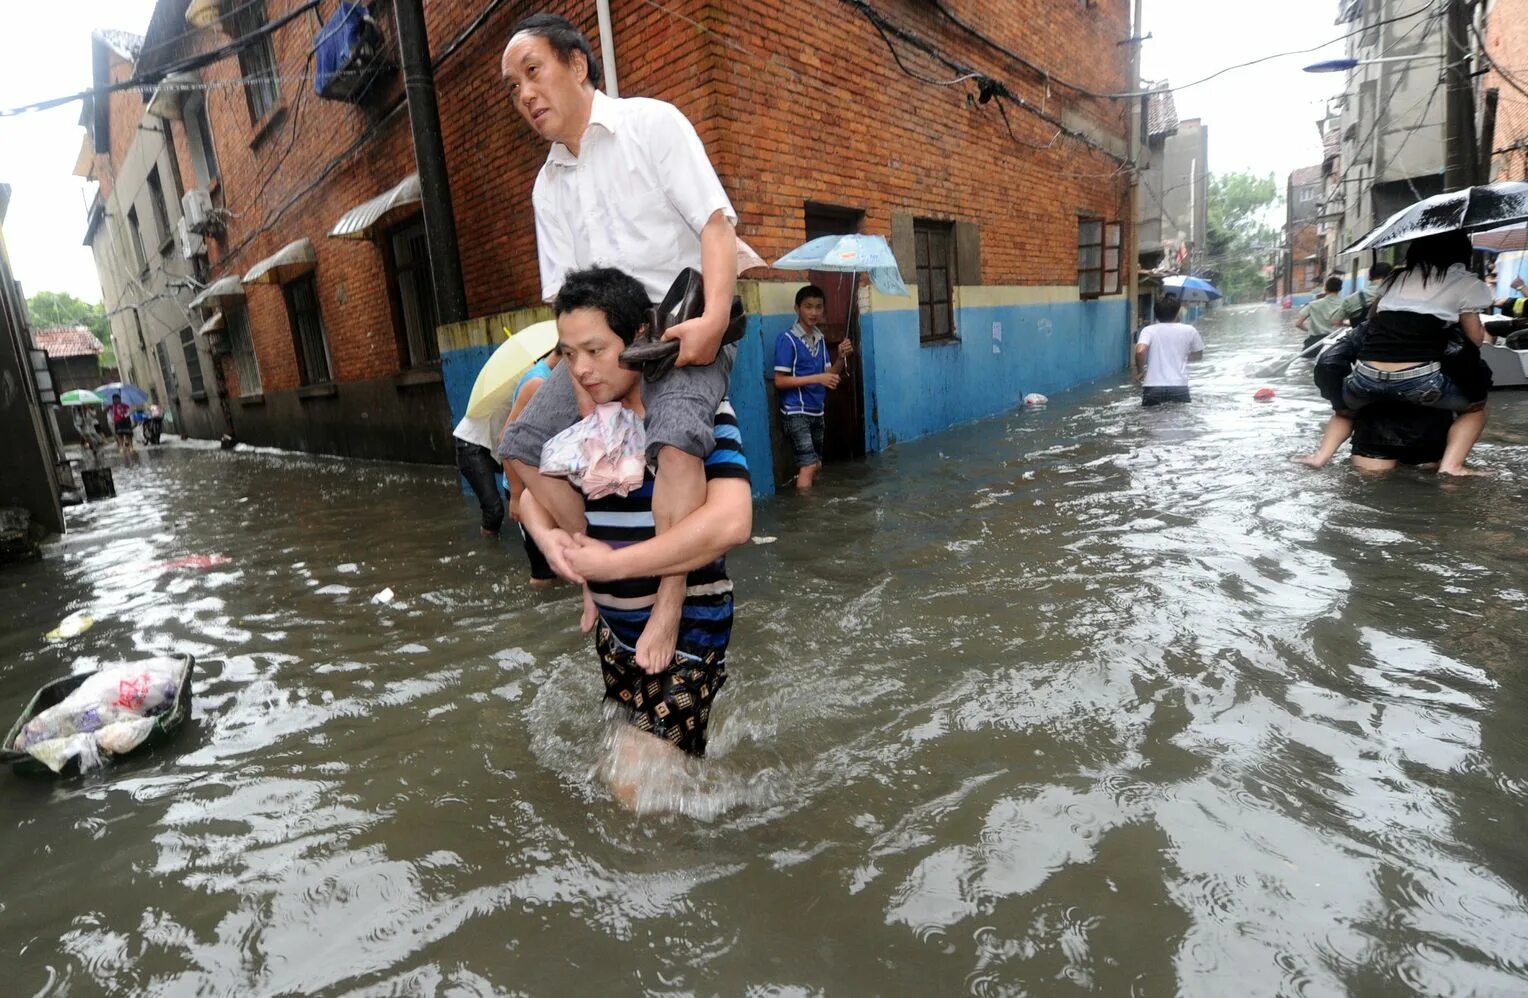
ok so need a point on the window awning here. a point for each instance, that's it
(292, 260)
(171, 91)
(213, 324)
(221, 293)
(363, 221)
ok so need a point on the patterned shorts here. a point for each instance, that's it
(675, 704)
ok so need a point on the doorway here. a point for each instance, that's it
(844, 429)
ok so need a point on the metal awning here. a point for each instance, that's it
(171, 91)
(362, 221)
(213, 324)
(292, 260)
(221, 293)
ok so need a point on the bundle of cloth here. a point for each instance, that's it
(113, 712)
(603, 454)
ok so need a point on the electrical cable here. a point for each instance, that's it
(186, 65)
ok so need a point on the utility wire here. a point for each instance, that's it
(186, 65)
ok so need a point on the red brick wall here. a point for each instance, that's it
(1506, 41)
(796, 101)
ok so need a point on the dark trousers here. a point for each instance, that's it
(481, 469)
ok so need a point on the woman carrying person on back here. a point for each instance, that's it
(1402, 356)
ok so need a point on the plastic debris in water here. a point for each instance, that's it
(75, 624)
(1035, 398)
(385, 596)
(1263, 395)
(765, 540)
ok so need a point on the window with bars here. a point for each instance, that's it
(139, 255)
(161, 211)
(414, 296)
(242, 345)
(1098, 257)
(193, 363)
(934, 262)
(257, 61)
(307, 330)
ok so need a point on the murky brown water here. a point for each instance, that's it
(1086, 699)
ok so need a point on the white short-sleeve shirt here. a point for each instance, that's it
(635, 197)
(1445, 295)
(1168, 346)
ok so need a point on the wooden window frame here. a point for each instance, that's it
(931, 306)
(1100, 260)
(241, 343)
(257, 62)
(424, 291)
(195, 379)
(296, 318)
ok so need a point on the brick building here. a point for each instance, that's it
(1006, 214)
(1301, 265)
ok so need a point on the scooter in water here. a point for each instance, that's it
(152, 427)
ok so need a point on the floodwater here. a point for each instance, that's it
(1088, 699)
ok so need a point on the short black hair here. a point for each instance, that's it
(810, 291)
(564, 38)
(617, 294)
(1333, 284)
(1380, 271)
(1166, 308)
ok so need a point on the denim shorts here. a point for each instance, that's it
(805, 435)
(1431, 391)
(1158, 394)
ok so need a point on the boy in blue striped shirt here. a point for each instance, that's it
(803, 379)
(616, 552)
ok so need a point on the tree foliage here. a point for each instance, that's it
(1239, 239)
(60, 308)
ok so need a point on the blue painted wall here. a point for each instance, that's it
(914, 390)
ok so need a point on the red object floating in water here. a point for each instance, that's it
(1263, 395)
(196, 561)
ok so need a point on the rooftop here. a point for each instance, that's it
(67, 341)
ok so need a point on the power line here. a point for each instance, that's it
(186, 65)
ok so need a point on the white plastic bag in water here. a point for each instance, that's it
(602, 454)
(119, 693)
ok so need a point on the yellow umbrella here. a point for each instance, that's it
(496, 381)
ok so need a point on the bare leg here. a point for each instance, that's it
(1338, 429)
(679, 489)
(807, 477)
(1373, 465)
(566, 504)
(1461, 437)
(639, 762)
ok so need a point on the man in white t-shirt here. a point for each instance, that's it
(1162, 353)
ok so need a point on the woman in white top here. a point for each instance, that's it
(1410, 327)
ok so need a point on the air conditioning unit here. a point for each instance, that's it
(189, 242)
(196, 210)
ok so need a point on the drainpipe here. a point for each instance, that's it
(430, 157)
(1136, 122)
(607, 48)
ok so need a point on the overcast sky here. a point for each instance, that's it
(1260, 118)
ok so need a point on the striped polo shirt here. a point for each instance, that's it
(706, 622)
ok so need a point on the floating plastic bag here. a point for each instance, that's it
(602, 454)
(1035, 398)
(121, 693)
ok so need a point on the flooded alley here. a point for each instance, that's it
(1082, 699)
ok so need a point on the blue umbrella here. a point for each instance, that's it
(131, 394)
(849, 254)
(1190, 288)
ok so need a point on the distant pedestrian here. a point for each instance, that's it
(1163, 352)
(121, 415)
(1325, 314)
(1355, 307)
(804, 374)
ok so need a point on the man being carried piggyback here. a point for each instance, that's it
(626, 184)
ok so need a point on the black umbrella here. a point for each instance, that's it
(1470, 210)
